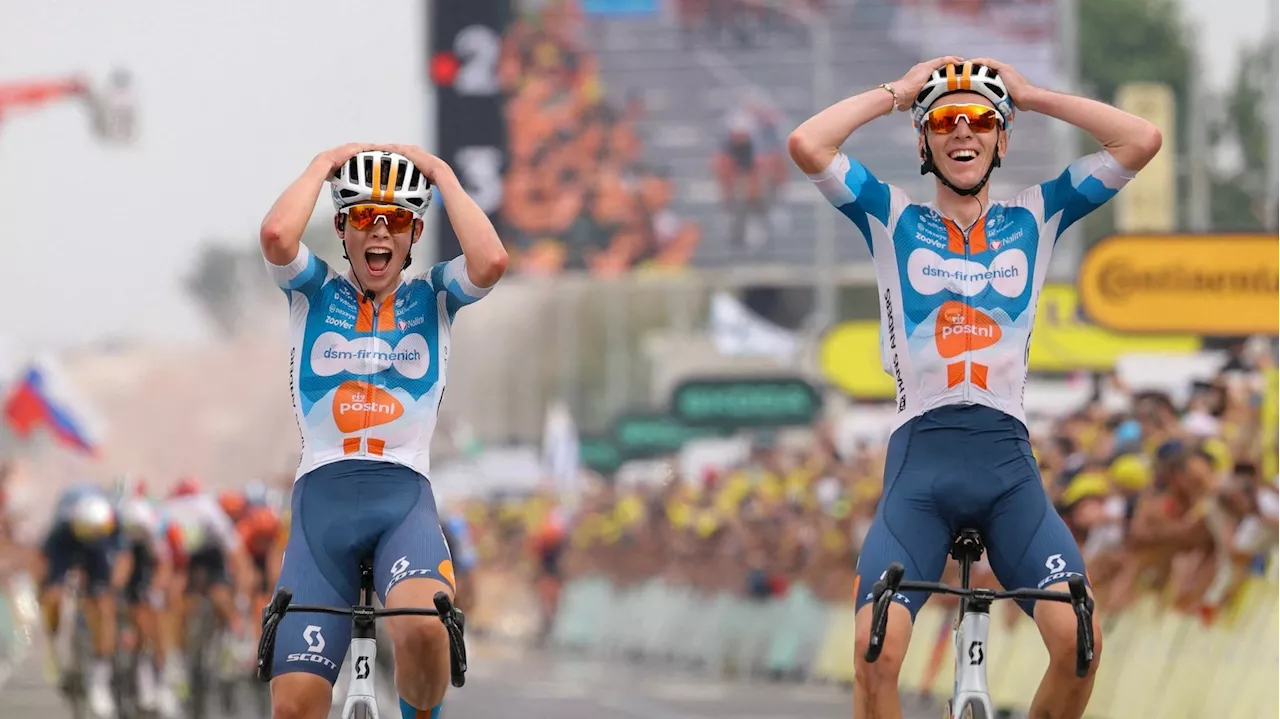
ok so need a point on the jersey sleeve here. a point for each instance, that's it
(306, 274)
(853, 190)
(451, 278)
(1083, 187)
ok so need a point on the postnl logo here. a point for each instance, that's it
(359, 405)
(961, 328)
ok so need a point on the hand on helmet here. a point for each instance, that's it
(426, 162)
(913, 82)
(340, 154)
(1020, 89)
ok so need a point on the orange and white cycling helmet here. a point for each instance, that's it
(965, 77)
(381, 178)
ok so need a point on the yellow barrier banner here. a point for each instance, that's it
(1215, 285)
(1061, 341)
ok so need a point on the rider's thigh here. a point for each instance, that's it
(300, 696)
(97, 568)
(415, 548)
(1028, 544)
(908, 526)
(411, 564)
(897, 637)
(312, 643)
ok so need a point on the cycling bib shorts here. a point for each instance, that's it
(343, 513)
(965, 467)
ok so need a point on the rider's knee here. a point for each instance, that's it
(1057, 624)
(421, 637)
(884, 671)
(299, 696)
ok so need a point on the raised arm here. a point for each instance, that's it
(815, 143)
(1131, 140)
(281, 230)
(486, 258)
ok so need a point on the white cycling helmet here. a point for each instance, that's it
(384, 178)
(965, 77)
(92, 518)
(138, 519)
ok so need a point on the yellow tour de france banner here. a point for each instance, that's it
(1215, 285)
(1061, 341)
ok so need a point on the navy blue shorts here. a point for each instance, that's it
(344, 513)
(63, 552)
(965, 467)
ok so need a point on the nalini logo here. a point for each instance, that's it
(360, 405)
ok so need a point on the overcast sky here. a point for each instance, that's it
(238, 96)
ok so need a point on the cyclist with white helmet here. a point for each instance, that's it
(958, 279)
(147, 562)
(83, 535)
(370, 353)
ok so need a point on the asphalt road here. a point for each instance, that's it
(506, 682)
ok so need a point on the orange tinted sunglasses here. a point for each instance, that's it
(362, 217)
(944, 120)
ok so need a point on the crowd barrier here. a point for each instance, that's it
(1155, 663)
(19, 614)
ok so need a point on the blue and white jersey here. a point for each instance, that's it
(956, 311)
(367, 379)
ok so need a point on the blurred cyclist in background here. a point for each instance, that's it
(259, 527)
(209, 557)
(147, 562)
(84, 535)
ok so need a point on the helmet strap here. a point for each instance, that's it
(927, 166)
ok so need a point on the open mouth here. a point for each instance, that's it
(377, 259)
(963, 155)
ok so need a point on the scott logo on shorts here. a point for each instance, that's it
(315, 644)
(400, 570)
(1057, 571)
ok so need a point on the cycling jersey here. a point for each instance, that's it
(367, 380)
(956, 310)
(196, 523)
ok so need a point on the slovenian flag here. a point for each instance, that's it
(38, 400)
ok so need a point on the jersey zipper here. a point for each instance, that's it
(968, 336)
(368, 405)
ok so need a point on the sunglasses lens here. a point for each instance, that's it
(944, 120)
(362, 217)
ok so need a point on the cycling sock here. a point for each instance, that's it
(407, 711)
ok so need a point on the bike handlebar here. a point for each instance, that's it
(281, 604)
(1077, 596)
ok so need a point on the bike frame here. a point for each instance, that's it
(972, 624)
(364, 645)
(974, 621)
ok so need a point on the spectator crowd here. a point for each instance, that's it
(577, 192)
(1175, 498)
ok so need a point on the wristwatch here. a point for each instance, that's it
(889, 89)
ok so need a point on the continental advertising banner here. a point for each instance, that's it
(1210, 285)
(1061, 341)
